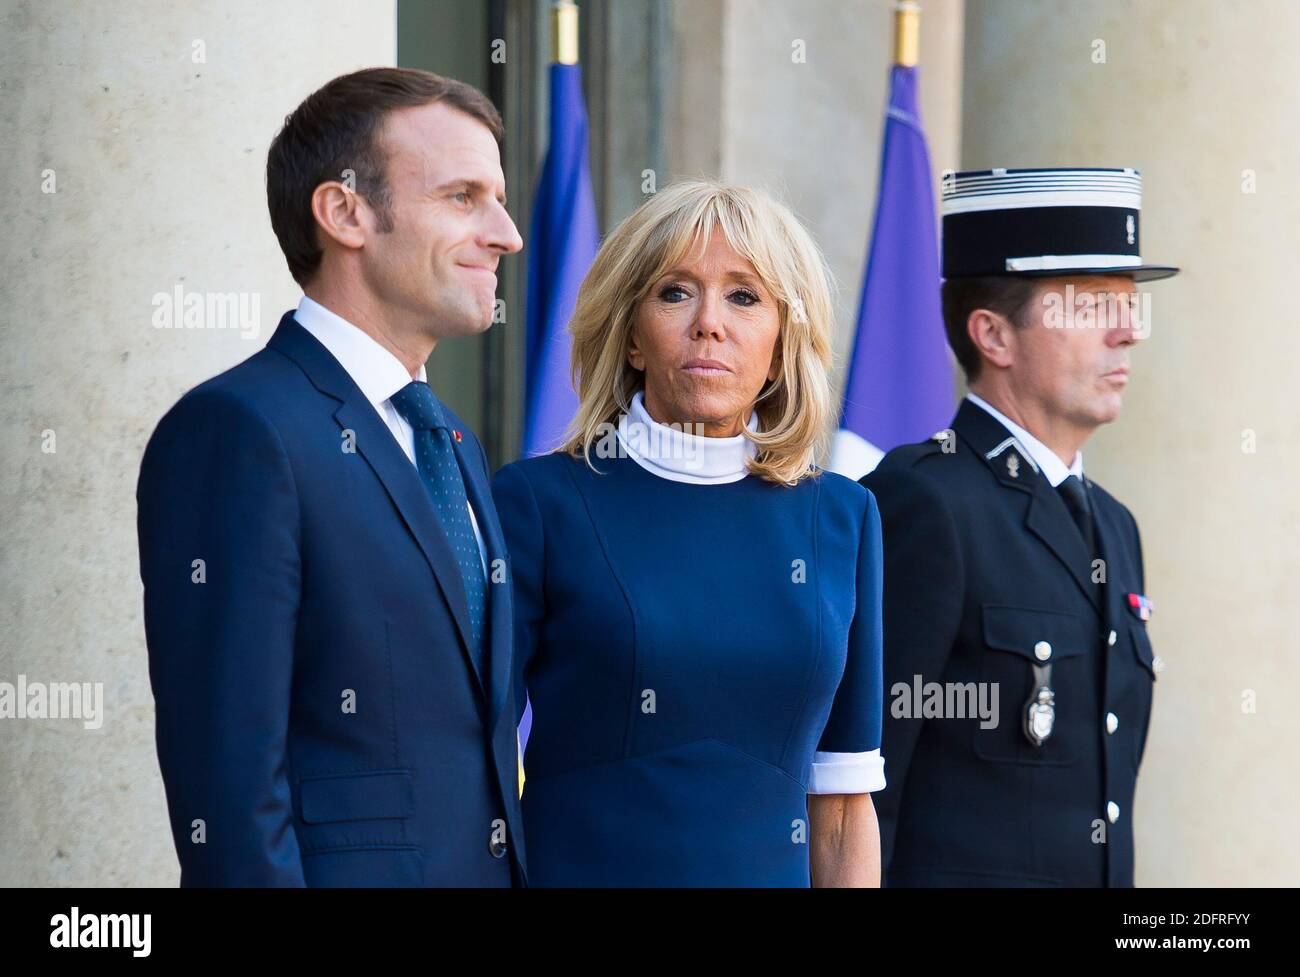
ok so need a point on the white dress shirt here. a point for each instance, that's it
(681, 457)
(1040, 454)
(377, 372)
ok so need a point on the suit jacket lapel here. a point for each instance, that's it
(1046, 515)
(375, 443)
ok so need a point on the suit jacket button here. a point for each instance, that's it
(1042, 651)
(1112, 812)
(1111, 638)
(497, 848)
(1112, 722)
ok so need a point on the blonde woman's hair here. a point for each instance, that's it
(795, 409)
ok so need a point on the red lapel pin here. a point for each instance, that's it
(456, 435)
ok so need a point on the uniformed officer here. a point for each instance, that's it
(1018, 671)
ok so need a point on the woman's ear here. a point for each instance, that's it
(635, 358)
(774, 370)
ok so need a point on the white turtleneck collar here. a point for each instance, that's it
(680, 457)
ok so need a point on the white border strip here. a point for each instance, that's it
(846, 773)
(959, 204)
(1052, 262)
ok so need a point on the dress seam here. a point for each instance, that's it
(817, 648)
(634, 698)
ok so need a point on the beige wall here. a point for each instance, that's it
(157, 164)
(1192, 92)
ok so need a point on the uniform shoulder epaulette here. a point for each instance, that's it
(907, 455)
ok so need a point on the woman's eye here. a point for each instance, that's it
(673, 293)
(745, 297)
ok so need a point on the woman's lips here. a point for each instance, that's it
(706, 368)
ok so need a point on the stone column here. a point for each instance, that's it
(136, 138)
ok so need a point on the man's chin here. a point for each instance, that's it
(469, 320)
(484, 313)
(1108, 410)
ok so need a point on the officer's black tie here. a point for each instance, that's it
(1076, 500)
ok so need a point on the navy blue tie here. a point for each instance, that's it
(436, 460)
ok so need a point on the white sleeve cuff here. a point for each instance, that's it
(847, 773)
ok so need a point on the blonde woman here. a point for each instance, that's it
(697, 606)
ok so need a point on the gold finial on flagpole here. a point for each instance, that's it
(907, 33)
(564, 32)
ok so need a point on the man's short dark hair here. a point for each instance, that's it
(1006, 295)
(337, 128)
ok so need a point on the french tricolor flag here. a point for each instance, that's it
(900, 382)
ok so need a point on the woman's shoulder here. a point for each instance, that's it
(840, 487)
(537, 470)
(843, 495)
(549, 476)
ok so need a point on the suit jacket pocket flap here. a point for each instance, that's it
(1038, 635)
(357, 797)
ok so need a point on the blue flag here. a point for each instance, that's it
(900, 381)
(561, 245)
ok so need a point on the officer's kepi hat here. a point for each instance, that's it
(1044, 222)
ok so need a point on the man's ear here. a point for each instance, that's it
(338, 213)
(993, 336)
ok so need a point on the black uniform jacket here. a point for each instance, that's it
(986, 577)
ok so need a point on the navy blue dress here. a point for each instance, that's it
(688, 650)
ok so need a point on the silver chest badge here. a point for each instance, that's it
(1040, 710)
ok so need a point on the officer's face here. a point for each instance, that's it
(705, 337)
(1073, 354)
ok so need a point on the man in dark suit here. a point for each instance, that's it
(329, 639)
(1018, 670)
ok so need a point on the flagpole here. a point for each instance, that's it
(564, 32)
(899, 386)
(907, 33)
